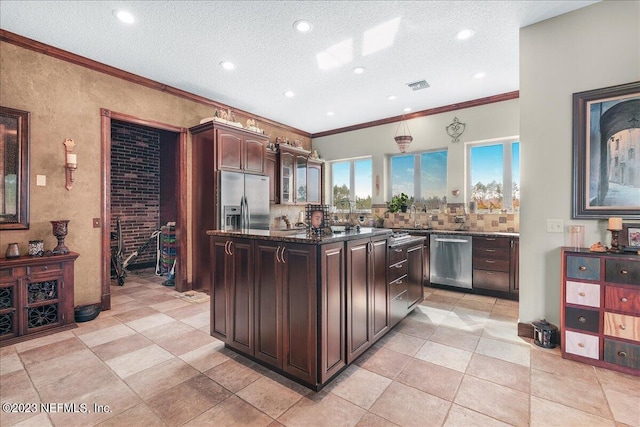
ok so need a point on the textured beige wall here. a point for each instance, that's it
(64, 101)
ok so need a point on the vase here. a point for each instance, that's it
(60, 231)
(12, 251)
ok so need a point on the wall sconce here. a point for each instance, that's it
(455, 129)
(70, 161)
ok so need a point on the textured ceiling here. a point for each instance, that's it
(181, 44)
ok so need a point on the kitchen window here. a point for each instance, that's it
(494, 175)
(351, 180)
(421, 176)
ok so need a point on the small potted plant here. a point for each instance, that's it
(398, 203)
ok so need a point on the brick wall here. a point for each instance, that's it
(135, 187)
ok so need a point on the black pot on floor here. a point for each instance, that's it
(85, 313)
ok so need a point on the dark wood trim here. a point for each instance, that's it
(430, 112)
(105, 211)
(525, 330)
(181, 283)
(27, 43)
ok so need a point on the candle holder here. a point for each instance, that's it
(60, 231)
(615, 247)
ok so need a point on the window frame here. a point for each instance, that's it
(507, 170)
(417, 171)
(352, 182)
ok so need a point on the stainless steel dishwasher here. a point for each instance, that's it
(450, 260)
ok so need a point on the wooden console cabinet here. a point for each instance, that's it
(600, 309)
(36, 296)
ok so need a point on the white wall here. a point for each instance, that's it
(490, 121)
(594, 47)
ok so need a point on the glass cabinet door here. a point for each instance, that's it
(286, 178)
(301, 179)
(313, 182)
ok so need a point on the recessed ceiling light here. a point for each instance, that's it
(289, 94)
(124, 16)
(391, 97)
(465, 34)
(479, 75)
(406, 109)
(227, 65)
(358, 70)
(302, 26)
(330, 113)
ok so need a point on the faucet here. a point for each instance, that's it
(413, 211)
(348, 219)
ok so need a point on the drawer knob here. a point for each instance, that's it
(624, 272)
(582, 319)
(582, 268)
(45, 268)
(581, 345)
(398, 265)
(582, 294)
(622, 353)
(624, 299)
(623, 327)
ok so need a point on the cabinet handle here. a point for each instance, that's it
(581, 345)
(490, 250)
(398, 266)
(284, 260)
(623, 327)
(624, 272)
(490, 239)
(582, 294)
(624, 299)
(397, 250)
(490, 272)
(622, 353)
(278, 254)
(582, 319)
(582, 268)
(490, 261)
(230, 248)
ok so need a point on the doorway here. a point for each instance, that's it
(144, 183)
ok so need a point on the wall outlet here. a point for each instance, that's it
(555, 226)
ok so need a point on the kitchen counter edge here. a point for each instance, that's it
(303, 237)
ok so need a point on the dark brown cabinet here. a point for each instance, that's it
(299, 177)
(215, 147)
(273, 172)
(415, 268)
(240, 151)
(36, 296)
(367, 308)
(495, 264)
(232, 293)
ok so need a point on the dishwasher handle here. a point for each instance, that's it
(451, 240)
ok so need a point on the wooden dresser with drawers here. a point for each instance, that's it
(600, 309)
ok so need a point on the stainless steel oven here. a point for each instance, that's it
(450, 260)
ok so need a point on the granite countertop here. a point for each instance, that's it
(298, 236)
(427, 231)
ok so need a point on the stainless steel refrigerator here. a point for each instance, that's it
(243, 201)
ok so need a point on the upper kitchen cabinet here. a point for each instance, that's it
(273, 172)
(300, 177)
(240, 150)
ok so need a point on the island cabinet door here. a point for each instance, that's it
(367, 299)
(268, 302)
(415, 260)
(221, 270)
(332, 306)
(300, 311)
(240, 292)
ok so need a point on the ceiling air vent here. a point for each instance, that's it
(421, 84)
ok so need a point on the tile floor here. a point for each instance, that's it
(455, 361)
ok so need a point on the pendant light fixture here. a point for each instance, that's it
(404, 138)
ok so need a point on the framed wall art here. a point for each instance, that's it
(630, 237)
(606, 152)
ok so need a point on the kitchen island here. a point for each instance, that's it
(307, 306)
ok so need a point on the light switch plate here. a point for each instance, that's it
(555, 226)
(41, 180)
